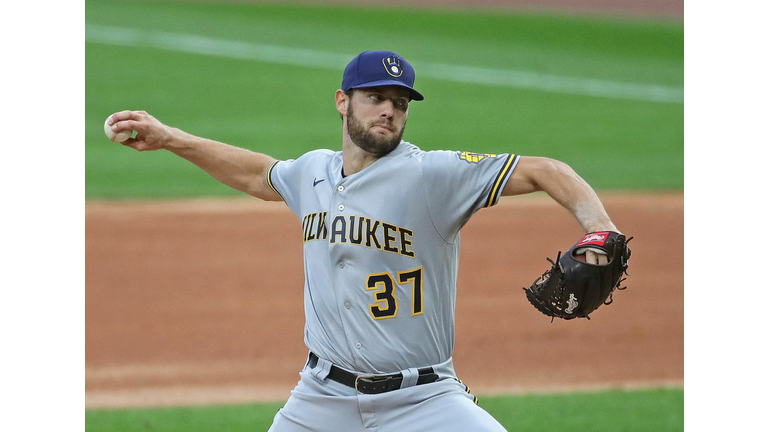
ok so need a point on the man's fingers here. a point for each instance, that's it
(127, 125)
(591, 257)
(122, 116)
(150, 133)
(596, 258)
(136, 144)
(129, 120)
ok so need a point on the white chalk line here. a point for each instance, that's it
(193, 44)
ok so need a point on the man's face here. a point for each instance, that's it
(376, 118)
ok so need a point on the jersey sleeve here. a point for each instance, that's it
(458, 184)
(286, 177)
(279, 179)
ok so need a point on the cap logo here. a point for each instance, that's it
(392, 65)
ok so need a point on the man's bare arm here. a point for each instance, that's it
(235, 167)
(560, 182)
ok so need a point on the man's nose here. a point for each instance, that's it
(387, 109)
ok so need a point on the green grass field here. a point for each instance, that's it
(654, 410)
(217, 70)
(284, 106)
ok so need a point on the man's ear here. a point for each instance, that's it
(342, 102)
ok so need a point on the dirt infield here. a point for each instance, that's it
(200, 302)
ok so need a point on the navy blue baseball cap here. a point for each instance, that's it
(379, 68)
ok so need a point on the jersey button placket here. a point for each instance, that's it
(341, 264)
(340, 188)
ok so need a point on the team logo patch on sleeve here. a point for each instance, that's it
(474, 157)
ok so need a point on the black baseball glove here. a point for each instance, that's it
(572, 288)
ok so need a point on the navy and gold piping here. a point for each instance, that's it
(506, 170)
(269, 178)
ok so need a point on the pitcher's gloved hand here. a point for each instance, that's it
(573, 288)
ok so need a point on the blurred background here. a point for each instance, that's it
(603, 94)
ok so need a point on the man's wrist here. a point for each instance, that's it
(176, 139)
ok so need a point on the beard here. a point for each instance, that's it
(371, 142)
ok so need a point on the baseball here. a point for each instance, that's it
(116, 137)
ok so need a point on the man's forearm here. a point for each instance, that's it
(566, 187)
(235, 167)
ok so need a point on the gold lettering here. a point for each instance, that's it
(311, 224)
(359, 239)
(339, 228)
(322, 228)
(393, 238)
(371, 233)
(405, 242)
(388, 238)
(305, 227)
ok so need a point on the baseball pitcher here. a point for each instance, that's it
(381, 223)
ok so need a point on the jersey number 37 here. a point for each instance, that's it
(386, 305)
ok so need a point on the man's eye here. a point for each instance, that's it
(376, 97)
(401, 103)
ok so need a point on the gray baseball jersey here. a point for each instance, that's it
(381, 250)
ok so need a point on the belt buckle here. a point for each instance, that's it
(357, 380)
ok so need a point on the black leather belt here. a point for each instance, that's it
(373, 384)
